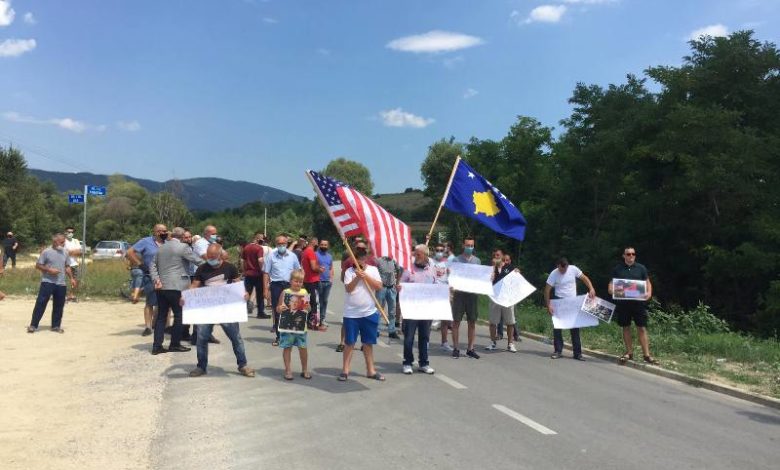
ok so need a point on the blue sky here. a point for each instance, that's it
(262, 90)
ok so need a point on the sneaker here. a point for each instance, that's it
(324, 323)
(511, 348)
(393, 335)
(246, 371)
(472, 354)
(197, 372)
(426, 370)
(556, 355)
(455, 353)
(446, 347)
(31, 329)
(146, 332)
(57, 329)
(491, 347)
(408, 370)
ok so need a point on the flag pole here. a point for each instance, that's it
(444, 198)
(349, 248)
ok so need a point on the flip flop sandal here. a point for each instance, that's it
(625, 358)
(377, 376)
(343, 377)
(288, 377)
(651, 360)
(306, 376)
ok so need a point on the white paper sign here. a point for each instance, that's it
(425, 301)
(511, 289)
(214, 304)
(568, 314)
(471, 278)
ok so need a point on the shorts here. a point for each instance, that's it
(628, 311)
(368, 328)
(149, 292)
(499, 313)
(75, 271)
(464, 302)
(289, 340)
(136, 278)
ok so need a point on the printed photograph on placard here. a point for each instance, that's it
(293, 320)
(628, 289)
(599, 308)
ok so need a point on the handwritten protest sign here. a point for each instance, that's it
(599, 308)
(471, 278)
(628, 289)
(293, 320)
(567, 313)
(511, 289)
(214, 304)
(425, 301)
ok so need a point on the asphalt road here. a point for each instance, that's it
(503, 411)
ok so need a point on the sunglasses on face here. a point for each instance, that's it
(629, 254)
(439, 251)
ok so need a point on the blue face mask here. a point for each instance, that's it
(281, 249)
(439, 255)
(212, 238)
(468, 250)
(213, 262)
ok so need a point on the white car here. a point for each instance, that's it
(110, 249)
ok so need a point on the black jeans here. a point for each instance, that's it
(167, 300)
(576, 345)
(255, 283)
(13, 259)
(46, 292)
(277, 287)
(423, 328)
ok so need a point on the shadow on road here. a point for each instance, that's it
(761, 417)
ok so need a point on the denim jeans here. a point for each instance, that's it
(232, 332)
(323, 292)
(575, 341)
(387, 297)
(423, 328)
(47, 291)
(167, 300)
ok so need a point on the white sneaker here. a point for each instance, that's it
(511, 348)
(491, 347)
(408, 370)
(426, 370)
(436, 325)
(446, 347)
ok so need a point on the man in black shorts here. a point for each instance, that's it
(465, 303)
(633, 310)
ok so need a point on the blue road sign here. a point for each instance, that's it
(96, 190)
(75, 199)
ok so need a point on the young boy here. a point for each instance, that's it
(290, 300)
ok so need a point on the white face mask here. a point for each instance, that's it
(69, 236)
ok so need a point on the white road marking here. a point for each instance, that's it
(449, 381)
(525, 420)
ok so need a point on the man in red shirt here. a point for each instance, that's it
(253, 259)
(311, 273)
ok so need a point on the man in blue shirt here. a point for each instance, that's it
(277, 268)
(325, 261)
(141, 255)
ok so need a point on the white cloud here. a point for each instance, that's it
(714, 30)
(7, 13)
(399, 118)
(29, 18)
(16, 47)
(434, 41)
(68, 124)
(270, 20)
(542, 14)
(470, 93)
(129, 126)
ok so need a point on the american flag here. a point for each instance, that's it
(355, 214)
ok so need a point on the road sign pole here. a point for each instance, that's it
(83, 270)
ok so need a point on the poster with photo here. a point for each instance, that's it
(628, 289)
(293, 320)
(598, 308)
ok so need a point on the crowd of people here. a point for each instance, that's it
(166, 263)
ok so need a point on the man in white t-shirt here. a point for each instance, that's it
(73, 247)
(360, 314)
(564, 280)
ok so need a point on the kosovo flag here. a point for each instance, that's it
(473, 196)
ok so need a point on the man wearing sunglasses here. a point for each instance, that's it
(627, 311)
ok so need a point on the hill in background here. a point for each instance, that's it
(200, 194)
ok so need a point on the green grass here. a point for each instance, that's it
(734, 358)
(103, 280)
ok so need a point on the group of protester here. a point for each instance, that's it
(169, 262)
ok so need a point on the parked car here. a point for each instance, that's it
(110, 249)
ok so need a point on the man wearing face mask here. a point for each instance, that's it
(201, 245)
(277, 268)
(465, 303)
(422, 272)
(360, 250)
(325, 261)
(53, 265)
(441, 273)
(141, 256)
(169, 271)
(73, 247)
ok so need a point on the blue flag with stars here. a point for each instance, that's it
(473, 196)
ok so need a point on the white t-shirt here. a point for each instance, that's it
(71, 245)
(441, 271)
(359, 303)
(565, 284)
(200, 247)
